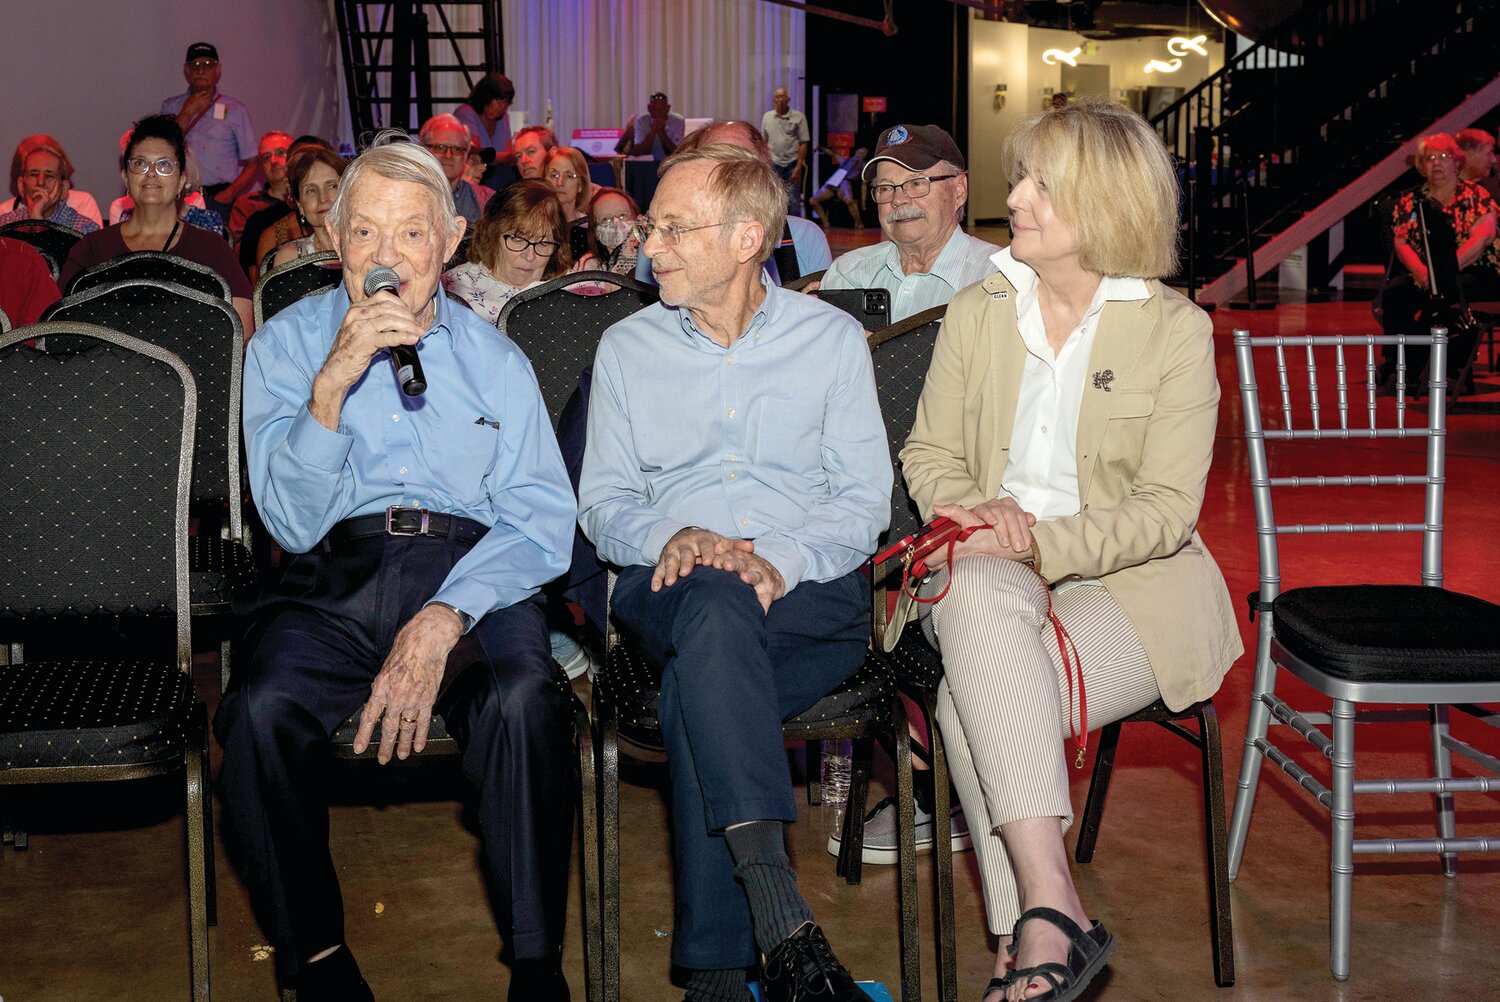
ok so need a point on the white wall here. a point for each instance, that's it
(1002, 52)
(83, 70)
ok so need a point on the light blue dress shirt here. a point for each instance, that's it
(478, 444)
(963, 261)
(777, 438)
(221, 139)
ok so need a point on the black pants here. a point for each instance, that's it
(1407, 309)
(315, 644)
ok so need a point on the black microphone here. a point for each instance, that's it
(403, 356)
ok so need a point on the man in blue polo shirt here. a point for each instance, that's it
(218, 130)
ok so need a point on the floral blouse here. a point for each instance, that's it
(484, 293)
(1470, 204)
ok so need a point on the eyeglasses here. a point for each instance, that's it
(658, 96)
(1438, 158)
(41, 176)
(517, 244)
(915, 187)
(161, 168)
(670, 233)
(555, 176)
(203, 64)
(446, 150)
(270, 155)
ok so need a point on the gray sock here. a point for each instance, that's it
(717, 986)
(777, 908)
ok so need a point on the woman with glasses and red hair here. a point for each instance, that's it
(521, 240)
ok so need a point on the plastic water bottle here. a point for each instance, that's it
(837, 765)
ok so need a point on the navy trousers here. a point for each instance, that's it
(730, 675)
(316, 642)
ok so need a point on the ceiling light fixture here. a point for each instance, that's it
(1180, 46)
(1054, 56)
(1159, 66)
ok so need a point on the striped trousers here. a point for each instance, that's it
(1004, 706)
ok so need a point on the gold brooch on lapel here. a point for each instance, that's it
(1103, 378)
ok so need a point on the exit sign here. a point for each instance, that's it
(871, 105)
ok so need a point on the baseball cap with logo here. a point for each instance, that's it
(915, 147)
(201, 50)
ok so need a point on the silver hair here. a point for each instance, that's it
(444, 121)
(391, 155)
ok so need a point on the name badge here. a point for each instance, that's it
(221, 111)
(1002, 294)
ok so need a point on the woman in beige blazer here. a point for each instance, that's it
(1069, 411)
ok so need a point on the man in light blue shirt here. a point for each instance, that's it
(418, 531)
(737, 469)
(217, 128)
(919, 183)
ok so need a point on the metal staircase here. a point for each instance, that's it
(1293, 120)
(405, 61)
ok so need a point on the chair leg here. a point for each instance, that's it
(224, 666)
(1442, 768)
(814, 773)
(851, 851)
(206, 780)
(609, 850)
(906, 840)
(1255, 732)
(1093, 806)
(947, 951)
(194, 752)
(1341, 853)
(1220, 918)
(588, 851)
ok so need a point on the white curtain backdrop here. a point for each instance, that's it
(596, 61)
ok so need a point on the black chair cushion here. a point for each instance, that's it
(861, 700)
(218, 570)
(80, 713)
(1391, 633)
(915, 661)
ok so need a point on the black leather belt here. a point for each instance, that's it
(398, 521)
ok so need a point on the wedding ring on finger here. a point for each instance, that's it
(408, 720)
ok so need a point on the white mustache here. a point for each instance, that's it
(901, 215)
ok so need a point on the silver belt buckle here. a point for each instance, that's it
(390, 521)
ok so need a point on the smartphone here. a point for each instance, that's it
(871, 307)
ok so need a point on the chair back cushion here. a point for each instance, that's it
(53, 239)
(154, 266)
(902, 353)
(559, 327)
(281, 287)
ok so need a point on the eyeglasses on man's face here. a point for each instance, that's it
(557, 175)
(203, 64)
(914, 187)
(517, 244)
(161, 168)
(671, 234)
(1439, 158)
(273, 155)
(447, 150)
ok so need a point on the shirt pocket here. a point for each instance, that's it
(787, 432)
(1125, 430)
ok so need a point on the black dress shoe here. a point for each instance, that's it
(804, 969)
(538, 981)
(335, 978)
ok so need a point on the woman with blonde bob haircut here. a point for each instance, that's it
(1067, 420)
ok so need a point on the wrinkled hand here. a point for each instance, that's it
(402, 695)
(195, 103)
(376, 323)
(753, 569)
(1011, 525)
(685, 550)
(43, 199)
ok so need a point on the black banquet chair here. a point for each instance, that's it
(54, 240)
(1361, 648)
(153, 266)
(100, 425)
(283, 286)
(4, 323)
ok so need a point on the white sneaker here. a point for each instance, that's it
(880, 846)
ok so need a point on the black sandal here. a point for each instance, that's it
(995, 985)
(1087, 954)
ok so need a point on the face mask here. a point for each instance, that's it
(612, 232)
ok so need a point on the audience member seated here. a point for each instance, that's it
(448, 139)
(614, 241)
(840, 185)
(568, 172)
(217, 128)
(43, 187)
(315, 184)
(26, 285)
(191, 206)
(1459, 214)
(80, 201)
(152, 171)
(486, 114)
(1085, 511)
(274, 154)
(802, 248)
(522, 240)
(532, 144)
(648, 140)
(1479, 159)
(919, 184)
(275, 225)
(743, 587)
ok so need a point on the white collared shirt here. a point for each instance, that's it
(1041, 472)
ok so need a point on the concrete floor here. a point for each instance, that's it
(95, 908)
